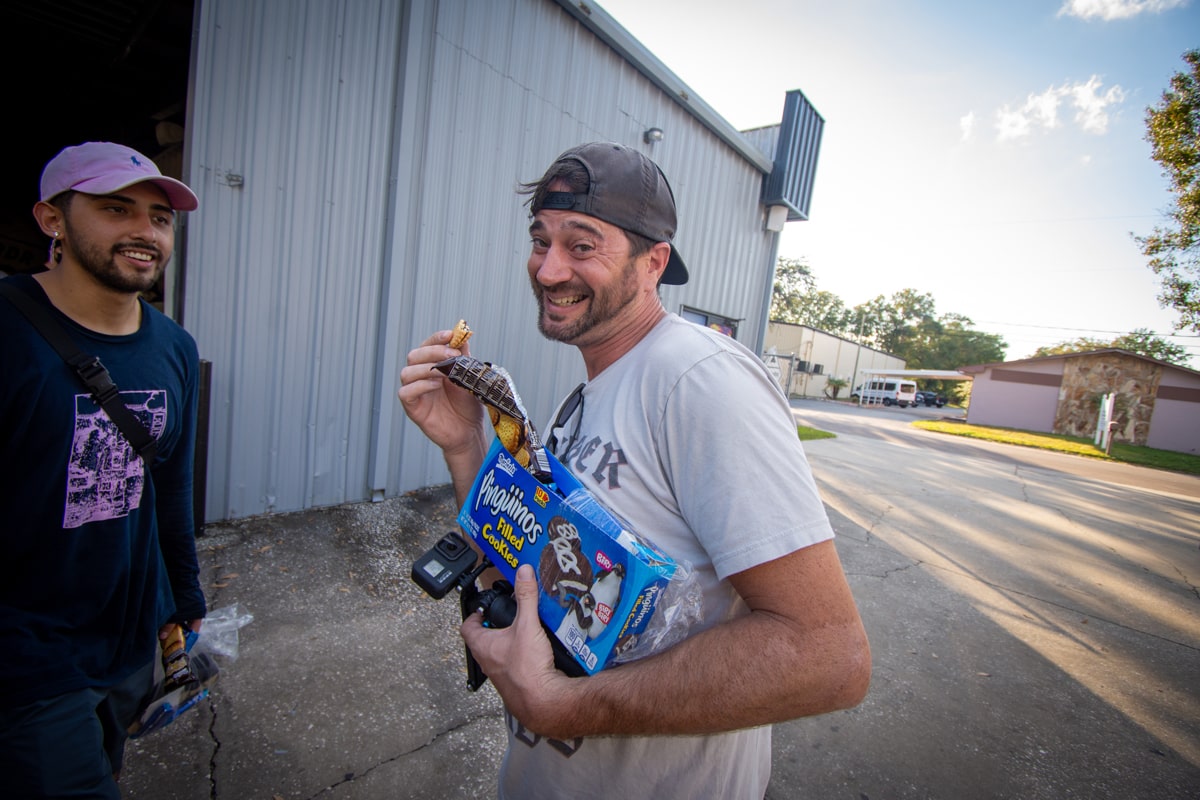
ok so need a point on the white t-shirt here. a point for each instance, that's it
(690, 440)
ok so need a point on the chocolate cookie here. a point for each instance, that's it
(564, 571)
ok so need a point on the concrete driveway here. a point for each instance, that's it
(1034, 620)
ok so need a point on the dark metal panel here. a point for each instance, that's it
(1035, 378)
(796, 151)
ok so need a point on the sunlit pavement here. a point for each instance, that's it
(1034, 619)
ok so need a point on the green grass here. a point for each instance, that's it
(1075, 445)
(807, 433)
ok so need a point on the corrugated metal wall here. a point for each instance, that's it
(357, 164)
(290, 136)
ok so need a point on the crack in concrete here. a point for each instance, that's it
(888, 572)
(212, 761)
(875, 521)
(1186, 582)
(1021, 482)
(350, 777)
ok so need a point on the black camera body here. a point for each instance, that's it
(452, 563)
(444, 566)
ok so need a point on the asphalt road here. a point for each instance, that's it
(1034, 621)
(890, 424)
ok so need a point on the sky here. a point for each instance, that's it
(989, 154)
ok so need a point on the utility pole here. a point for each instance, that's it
(858, 353)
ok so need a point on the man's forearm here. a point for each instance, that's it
(751, 671)
(464, 465)
(801, 650)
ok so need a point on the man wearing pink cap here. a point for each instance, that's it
(98, 541)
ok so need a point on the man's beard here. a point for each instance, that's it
(604, 307)
(103, 266)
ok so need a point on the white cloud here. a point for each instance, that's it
(1116, 9)
(1091, 108)
(1040, 111)
(1011, 125)
(966, 124)
(1043, 108)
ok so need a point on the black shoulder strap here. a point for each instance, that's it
(89, 369)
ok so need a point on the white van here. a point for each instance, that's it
(889, 391)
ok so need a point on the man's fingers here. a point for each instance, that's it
(472, 622)
(418, 380)
(526, 591)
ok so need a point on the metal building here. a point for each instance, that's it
(357, 164)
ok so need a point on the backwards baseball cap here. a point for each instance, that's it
(626, 189)
(104, 168)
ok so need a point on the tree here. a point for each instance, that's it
(1143, 342)
(1173, 130)
(1083, 344)
(796, 299)
(1140, 341)
(960, 345)
(834, 385)
(825, 311)
(907, 326)
(793, 280)
(893, 325)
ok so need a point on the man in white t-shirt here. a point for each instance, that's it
(683, 433)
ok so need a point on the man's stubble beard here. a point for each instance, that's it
(604, 308)
(103, 266)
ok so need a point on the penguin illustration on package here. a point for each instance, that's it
(597, 605)
(589, 614)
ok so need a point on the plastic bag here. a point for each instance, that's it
(677, 609)
(167, 706)
(219, 634)
(218, 637)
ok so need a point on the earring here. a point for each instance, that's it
(56, 234)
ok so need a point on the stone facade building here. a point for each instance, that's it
(1157, 404)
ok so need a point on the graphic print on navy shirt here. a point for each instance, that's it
(104, 475)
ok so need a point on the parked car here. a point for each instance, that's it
(889, 391)
(929, 399)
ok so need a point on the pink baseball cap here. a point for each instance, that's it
(104, 168)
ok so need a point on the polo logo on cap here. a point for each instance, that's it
(136, 163)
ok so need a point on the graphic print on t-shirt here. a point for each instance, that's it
(104, 474)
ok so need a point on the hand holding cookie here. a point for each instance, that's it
(493, 386)
(452, 419)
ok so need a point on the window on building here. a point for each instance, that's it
(717, 322)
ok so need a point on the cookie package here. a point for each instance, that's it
(600, 583)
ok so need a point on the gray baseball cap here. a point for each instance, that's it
(626, 189)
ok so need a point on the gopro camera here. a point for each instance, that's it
(444, 566)
(453, 563)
